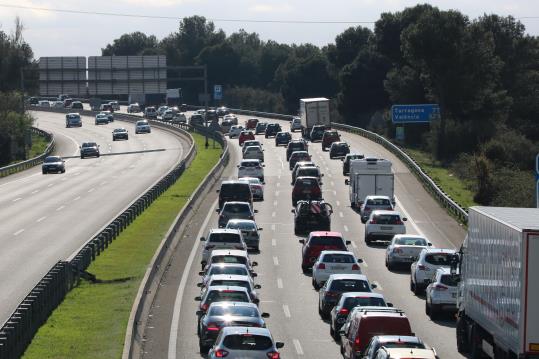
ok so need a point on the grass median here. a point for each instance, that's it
(91, 321)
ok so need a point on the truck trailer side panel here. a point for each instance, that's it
(531, 310)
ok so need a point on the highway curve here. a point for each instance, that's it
(46, 218)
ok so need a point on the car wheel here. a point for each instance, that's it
(203, 348)
(305, 269)
(368, 241)
(463, 345)
(389, 265)
(64, 170)
(417, 290)
(113, 139)
(427, 308)
(315, 285)
(412, 285)
(434, 311)
(98, 155)
(44, 172)
(81, 157)
(126, 138)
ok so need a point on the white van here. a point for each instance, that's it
(368, 177)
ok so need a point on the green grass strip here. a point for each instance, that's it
(39, 145)
(458, 189)
(91, 321)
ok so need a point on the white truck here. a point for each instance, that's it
(498, 296)
(370, 176)
(313, 111)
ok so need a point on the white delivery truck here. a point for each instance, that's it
(498, 297)
(313, 111)
(369, 176)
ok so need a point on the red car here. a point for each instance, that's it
(328, 138)
(318, 242)
(306, 188)
(250, 124)
(245, 136)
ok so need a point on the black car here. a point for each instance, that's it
(317, 132)
(120, 134)
(272, 129)
(260, 128)
(346, 162)
(53, 164)
(77, 105)
(310, 216)
(211, 115)
(282, 138)
(295, 145)
(225, 314)
(222, 111)
(234, 191)
(339, 150)
(89, 149)
(196, 120)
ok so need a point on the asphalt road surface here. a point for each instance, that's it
(287, 294)
(46, 218)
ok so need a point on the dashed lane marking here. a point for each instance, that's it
(275, 261)
(286, 311)
(279, 283)
(298, 347)
(41, 219)
(18, 232)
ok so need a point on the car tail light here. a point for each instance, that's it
(344, 311)
(355, 267)
(220, 353)
(274, 355)
(439, 287)
(423, 267)
(213, 327)
(332, 294)
(372, 221)
(356, 344)
(204, 307)
(209, 246)
(398, 250)
(366, 209)
(399, 222)
(321, 266)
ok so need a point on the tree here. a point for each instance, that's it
(135, 43)
(15, 56)
(348, 45)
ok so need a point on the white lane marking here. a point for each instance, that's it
(18, 232)
(273, 214)
(103, 183)
(341, 214)
(354, 245)
(408, 217)
(273, 242)
(276, 193)
(378, 286)
(275, 203)
(36, 191)
(275, 261)
(41, 219)
(174, 326)
(279, 283)
(332, 183)
(273, 227)
(281, 160)
(338, 203)
(365, 264)
(60, 208)
(334, 193)
(286, 311)
(278, 184)
(91, 190)
(17, 199)
(76, 198)
(330, 175)
(345, 228)
(298, 347)
(50, 185)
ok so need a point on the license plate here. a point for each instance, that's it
(386, 228)
(305, 191)
(338, 267)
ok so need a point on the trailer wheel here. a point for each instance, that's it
(476, 340)
(463, 345)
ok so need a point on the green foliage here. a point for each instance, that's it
(15, 56)
(135, 43)
(14, 125)
(249, 98)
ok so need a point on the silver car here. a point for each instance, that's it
(53, 164)
(404, 249)
(221, 239)
(248, 229)
(245, 342)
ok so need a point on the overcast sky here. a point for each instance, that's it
(61, 34)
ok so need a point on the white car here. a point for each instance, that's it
(295, 124)
(245, 342)
(257, 187)
(235, 131)
(251, 168)
(168, 115)
(422, 271)
(236, 256)
(245, 281)
(161, 110)
(253, 152)
(232, 118)
(441, 293)
(334, 262)
(223, 268)
(249, 231)
(115, 105)
(58, 104)
(142, 126)
(405, 249)
(248, 143)
(383, 225)
(44, 103)
(372, 203)
(132, 108)
(221, 239)
(179, 118)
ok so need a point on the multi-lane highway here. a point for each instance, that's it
(286, 292)
(46, 218)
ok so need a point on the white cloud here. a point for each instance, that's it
(267, 8)
(158, 3)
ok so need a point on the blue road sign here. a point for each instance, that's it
(217, 92)
(415, 113)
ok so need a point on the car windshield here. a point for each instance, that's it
(224, 238)
(241, 311)
(338, 258)
(237, 208)
(229, 259)
(438, 259)
(352, 302)
(388, 219)
(228, 270)
(400, 344)
(89, 144)
(52, 159)
(411, 241)
(326, 241)
(250, 164)
(119, 130)
(451, 280)
(309, 172)
(228, 189)
(226, 296)
(378, 202)
(241, 225)
(349, 285)
(230, 282)
(247, 342)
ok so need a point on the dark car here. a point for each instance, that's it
(221, 293)
(295, 145)
(260, 127)
(306, 171)
(244, 136)
(346, 162)
(33, 100)
(234, 191)
(328, 138)
(307, 189)
(221, 111)
(338, 150)
(120, 134)
(298, 156)
(53, 164)
(282, 138)
(196, 119)
(337, 284)
(317, 132)
(211, 115)
(272, 129)
(226, 314)
(89, 149)
(312, 216)
(317, 242)
(235, 210)
(251, 123)
(76, 105)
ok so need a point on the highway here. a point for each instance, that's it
(46, 218)
(286, 292)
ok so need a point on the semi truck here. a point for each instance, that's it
(370, 177)
(313, 111)
(498, 293)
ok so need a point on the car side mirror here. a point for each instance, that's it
(348, 243)
(200, 285)
(258, 286)
(322, 175)
(347, 182)
(256, 211)
(217, 190)
(199, 313)
(80, 147)
(254, 275)
(254, 264)
(198, 299)
(373, 285)
(404, 219)
(429, 244)
(202, 239)
(265, 315)
(279, 345)
(201, 272)
(302, 241)
(217, 210)
(256, 300)
(342, 159)
(260, 229)
(292, 211)
(389, 304)
(238, 166)
(359, 260)
(263, 165)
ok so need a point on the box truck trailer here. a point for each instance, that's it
(313, 111)
(369, 176)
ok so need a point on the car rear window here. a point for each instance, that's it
(438, 258)
(349, 285)
(229, 259)
(326, 240)
(232, 189)
(230, 282)
(228, 270)
(307, 182)
(226, 296)
(411, 241)
(378, 202)
(247, 342)
(352, 302)
(338, 258)
(401, 344)
(241, 225)
(249, 164)
(296, 146)
(308, 172)
(451, 280)
(224, 238)
(234, 310)
(237, 208)
(388, 219)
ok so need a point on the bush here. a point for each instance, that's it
(254, 99)
(511, 149)
(513, 188)
(14, 126)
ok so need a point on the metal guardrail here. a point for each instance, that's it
(17, 332)
(21, 166)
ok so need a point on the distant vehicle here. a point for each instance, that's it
(250, 143)
(239, 256)
(196, 119)
(232, 118)
(44, 103)
(115, 105)
(249, 231)
(95, 103)
(338, 150)
(142, 126)
(150, 112)
(221, 239)
(73, 120)
(161, 110)
(168, 115)
(68, 102)
(33, 101)
(257, 187)
(106, 107)
(253, 152)
(211, 115)
(405, 249)
(346, 162)
(272, 129)
(120, 133)
(307, 171)
(235, 210)
(89, 149)
(295, 145)
(222, 111)
(133, 108)
(76, 105)
(244, 136)
(441, 293)
(283, 138)
(295, 124)
(313, 111)
(422, 270)
(328, 138)
(226, 125)
(101, 119)
(221, 293)
(53, 164)
(235, 191)
(312, 216)
(298, 156)
(336, 284)
(369, 177)
(57, 104)
(224, 269)
(260, 127)
(307, 189)
(383, 225)
(317, 132)
(245, 342)
(179, 118)
(62, 97)
(251, 123)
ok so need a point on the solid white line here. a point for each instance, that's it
(273, 242)
(341, 214)
(279, 283)
(338, 203)
(40, 219)
(345, 228)
(36, 191)
(407, 215)
(17, 199)
(275, 261)
(60, 208)
(91, 190)
(18, 232)
(286, 311)
(298, 347)
(174, 326)
(334, 193)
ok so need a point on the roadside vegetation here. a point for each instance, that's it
(39, 145)
(92, 320)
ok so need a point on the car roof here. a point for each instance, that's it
(306, 178)
(348, 276)
(230, 277)
(297, 153)
(362, 294)
(228, 265)
(393, 338)
(237, 203)
(224, 230)
(409, 236)
(234, 288)
(257, 147)
(232, 182)
(383, 211)
(229, 252)
(325, 233)
(246, 330)
(339, 143)
(233, 304)
(337, 252)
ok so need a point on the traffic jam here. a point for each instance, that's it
(362, 321)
